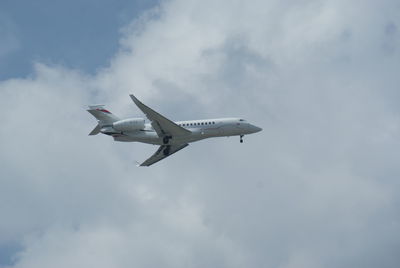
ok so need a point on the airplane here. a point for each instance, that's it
(170, 136)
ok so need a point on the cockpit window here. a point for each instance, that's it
(241, 120)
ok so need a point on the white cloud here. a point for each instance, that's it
(316, 188)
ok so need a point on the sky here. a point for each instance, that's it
(76, 34)
(318, 187)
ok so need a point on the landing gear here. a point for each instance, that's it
(241, 138)
(166, 139)
(166, 150)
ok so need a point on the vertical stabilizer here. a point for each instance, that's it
(102, 115)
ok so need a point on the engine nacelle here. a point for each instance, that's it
(130, 124)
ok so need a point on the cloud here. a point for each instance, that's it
(317, 188)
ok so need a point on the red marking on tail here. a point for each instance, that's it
(103, 110)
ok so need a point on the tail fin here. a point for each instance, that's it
(103, 116)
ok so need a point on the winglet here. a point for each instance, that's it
(139, 104)
(135, 100)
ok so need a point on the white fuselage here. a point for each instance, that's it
(200, 129)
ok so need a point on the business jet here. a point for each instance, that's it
(170, 136)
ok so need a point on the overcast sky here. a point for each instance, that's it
(318, 187)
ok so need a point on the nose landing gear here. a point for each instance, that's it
(241, 138)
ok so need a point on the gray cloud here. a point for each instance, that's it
(317, 188)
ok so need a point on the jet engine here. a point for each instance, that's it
(130, 124)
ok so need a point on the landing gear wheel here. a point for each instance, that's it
(166, 151)
(241, 138)
(166, 139)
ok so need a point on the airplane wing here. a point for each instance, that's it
(163, 152)
(163, 126)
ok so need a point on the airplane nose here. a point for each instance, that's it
(255, 129)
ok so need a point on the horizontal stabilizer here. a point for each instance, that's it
(96, 130)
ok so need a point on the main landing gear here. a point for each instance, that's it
(241, 138)
(166, 139)
(166, 150)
